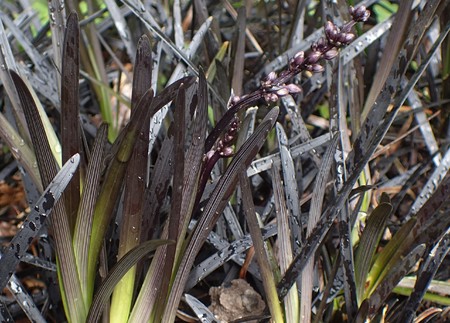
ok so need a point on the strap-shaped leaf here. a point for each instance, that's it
(62, 234)
(34, 221)
(175, 217)
(24, 300)
(5, 316)
(194, 157)
(70, 127)
(135, 181)
(142, 77)
(375, 276)
(122, 27)
(313, 218)
(113, 183)
(370, 238)
(426, 274)
(291, 301)
(42, 76)
(20, 150)
(401, 269)
(395, 39)
(57, 17)
(117, 272)
(239, 51)
(290, 188)
(265, 163)
(202, 312)
(262, 258)
(46, 162)
(83, 224)
(156, 123)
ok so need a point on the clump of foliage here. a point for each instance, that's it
(132, 215)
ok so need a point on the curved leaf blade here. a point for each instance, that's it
(34, 221)
(117, 272)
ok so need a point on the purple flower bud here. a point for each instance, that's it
(321, 42)
(232, 131)
(282, 92)
(299, 58)
(226, 152)
(346, 38)
(209, 154)
(235, 99)
(316, 68)
(292, 66)
(227, 138)
(235, 123)
(366, 16)
(271, 97)
(314, 57)
(271, 77)
(331, 31)
(319, 46)
(360, 13)
(332, 53)
(292, 88)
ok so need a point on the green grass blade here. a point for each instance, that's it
(83, 225)
(400, 270)
(374, 276)
(262, 258)
(113, 183)
(117, 272)
(135, 180)
(370, 239)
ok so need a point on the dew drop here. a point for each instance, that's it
(32, 226)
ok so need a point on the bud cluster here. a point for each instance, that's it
(274, 86)
(223, 146)
(326, 48)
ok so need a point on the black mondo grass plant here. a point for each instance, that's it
(301, 187)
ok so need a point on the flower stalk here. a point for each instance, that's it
(274, 86)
